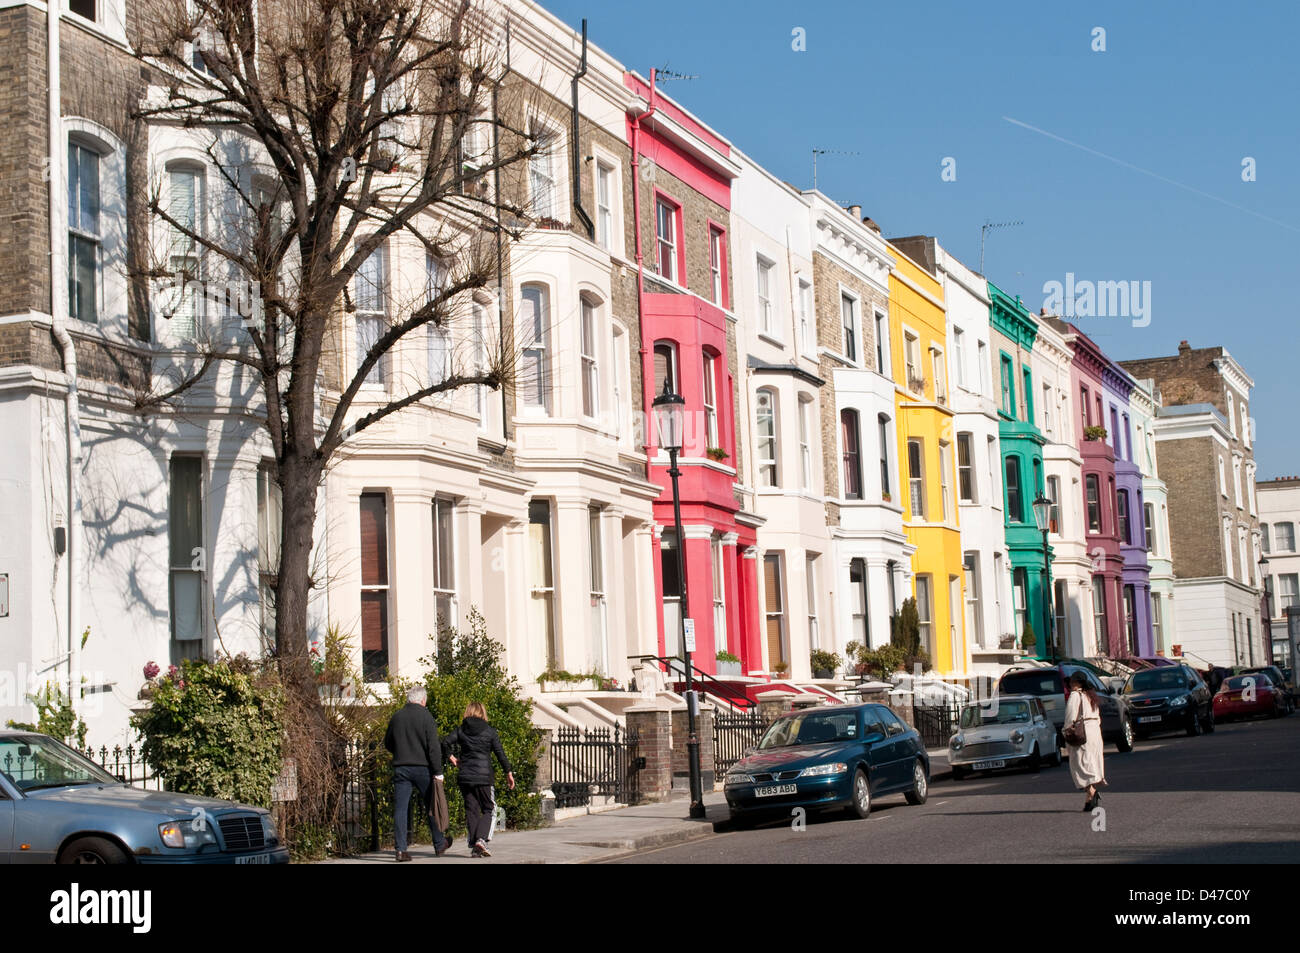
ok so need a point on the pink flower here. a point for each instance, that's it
(150, 671)
(173, 671)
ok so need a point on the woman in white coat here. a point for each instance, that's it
(1087, 769)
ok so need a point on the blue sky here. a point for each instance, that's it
(1183, 90)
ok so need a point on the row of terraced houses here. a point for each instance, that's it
(870, 420)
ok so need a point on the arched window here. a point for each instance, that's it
(765, 418)
(534, 321)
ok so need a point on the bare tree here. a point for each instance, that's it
(370, 120)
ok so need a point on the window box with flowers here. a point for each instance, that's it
(716, 454)
(1094, 433)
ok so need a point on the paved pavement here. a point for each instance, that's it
(1229, 797)
(595, 838)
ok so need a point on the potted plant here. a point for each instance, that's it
(780, 668)
(824, 663)
(728, 664)
(1029, 640)
(151, 671)
(1094, 432)
(887, 497)
(717, 454)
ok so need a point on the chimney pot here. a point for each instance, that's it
(1184, 347)
(855, 211)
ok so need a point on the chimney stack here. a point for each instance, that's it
(1183, 348)
(855, 211)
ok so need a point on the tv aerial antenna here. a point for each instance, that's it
(827, 152)
(988, 227)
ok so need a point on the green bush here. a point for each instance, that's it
(215, 729)
(467, 666)
(55, 717)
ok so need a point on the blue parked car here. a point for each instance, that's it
(58, 807)
(840, 756)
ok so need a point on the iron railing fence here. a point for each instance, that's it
(733, 735)
(595, 762)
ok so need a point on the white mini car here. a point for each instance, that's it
(1005, 731)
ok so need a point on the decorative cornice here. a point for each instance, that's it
(1011, 318)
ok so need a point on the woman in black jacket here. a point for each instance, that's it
(478, 741)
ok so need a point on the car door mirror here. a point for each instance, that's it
(873, 737)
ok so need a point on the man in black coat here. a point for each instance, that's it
(412, 738)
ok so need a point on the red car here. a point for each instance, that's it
(1244, 695)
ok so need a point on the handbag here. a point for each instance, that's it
(1074, 734)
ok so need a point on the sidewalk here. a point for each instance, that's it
(591, 838)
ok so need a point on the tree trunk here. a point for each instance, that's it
(299, 484)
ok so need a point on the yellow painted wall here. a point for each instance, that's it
(916, 308)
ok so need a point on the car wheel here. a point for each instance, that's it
(93, 850)
(1056, 758)
(1209, 723)
(1035, 761)
(1125, 743)
(1194, 727)
(861, 794)
(920, 789)
(958, 773)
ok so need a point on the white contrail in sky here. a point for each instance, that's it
(1154, 175)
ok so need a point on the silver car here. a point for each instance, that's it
(58, 807)
(1003, 732)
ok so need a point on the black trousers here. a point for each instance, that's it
(479, 805)
(408, 778)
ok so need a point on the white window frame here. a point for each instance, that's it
(807, 319)
(719, 593)
(588, 322)
(850, 326)
(537, 350)
(185, 260)
(767, 446)
(883, 357)
(717, 264)
(959, 355)
(810, 583)
(378, 376)
(545, 183)
(709, 381)
(916, 481)
(668, 243)
(967, 438)
(764, 272)
(78, 233)
(945, 480)
(608, 192)
(805, 444)
(444, 559)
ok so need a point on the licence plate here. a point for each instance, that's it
(1148, 718)
(774, 789)
(987, 765)
(254, 859)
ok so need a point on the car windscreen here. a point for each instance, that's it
(1032, 682)
(1241, 682)
(995, 713)
(1154, 679)
(36, 761)
(811, 728)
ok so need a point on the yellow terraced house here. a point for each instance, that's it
(926, 454)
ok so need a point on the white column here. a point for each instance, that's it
(410, 582)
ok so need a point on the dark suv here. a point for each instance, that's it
(1049, 684)
(1170, 698)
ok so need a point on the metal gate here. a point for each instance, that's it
(935, 723)
(733, 735)
(596, 762)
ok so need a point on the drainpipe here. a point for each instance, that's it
(59, 328)
(587, 224)
(647, 369)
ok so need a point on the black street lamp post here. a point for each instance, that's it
(1043, 517)
(669, 410)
